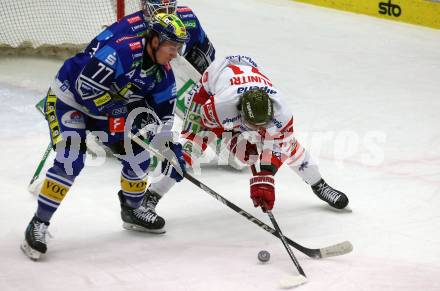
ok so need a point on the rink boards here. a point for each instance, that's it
(420, 12)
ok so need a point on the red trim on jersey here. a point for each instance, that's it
(205, 77)
(288, 127)
(210, 114)
(201, 96)
(183, 9)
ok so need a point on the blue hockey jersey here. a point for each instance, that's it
(199, 51)
(116, 72)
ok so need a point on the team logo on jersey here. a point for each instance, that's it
(73, 119)
(135, 45)
(134, 19)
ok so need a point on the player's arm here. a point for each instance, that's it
(201, 54)
(163, 101)
(94, 85)
(200, 51)
(276, 149)
(198, 130)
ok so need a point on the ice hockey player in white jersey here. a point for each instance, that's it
(238, 103)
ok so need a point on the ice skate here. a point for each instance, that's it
(34, 244)
(333, 197)
(142, 218)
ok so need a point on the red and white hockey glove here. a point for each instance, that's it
(263, 190)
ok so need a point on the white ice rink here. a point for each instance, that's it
(366, 98)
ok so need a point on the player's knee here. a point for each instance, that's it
(70, 156)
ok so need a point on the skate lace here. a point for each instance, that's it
(151, 202)
(145, 214)
(327, 192)
(40, 230)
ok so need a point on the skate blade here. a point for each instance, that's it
(130, 226)
(30, 252)
(347, 209)
(292, 281)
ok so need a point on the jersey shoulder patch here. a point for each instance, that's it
(183, 9)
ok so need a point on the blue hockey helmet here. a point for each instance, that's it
(152, 7)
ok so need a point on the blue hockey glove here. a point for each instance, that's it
(177, 155)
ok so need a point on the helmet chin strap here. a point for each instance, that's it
(153, 50)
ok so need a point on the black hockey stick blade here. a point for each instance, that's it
(286, 246)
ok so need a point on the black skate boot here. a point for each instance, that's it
(34, 243)
(151, 199)
(333, 197)
(140, 219)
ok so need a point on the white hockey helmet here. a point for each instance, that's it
(152, 7)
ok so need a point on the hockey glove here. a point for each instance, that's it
(161, 140)
(170, 170)
(263, 190)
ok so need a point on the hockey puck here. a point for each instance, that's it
(264, 256)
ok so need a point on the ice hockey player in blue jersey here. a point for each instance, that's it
(199, 51)
(99, 92)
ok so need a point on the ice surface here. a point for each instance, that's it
(365, 94)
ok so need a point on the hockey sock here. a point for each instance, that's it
(163, 185)
(53, 191)
(303, 165)
(133, 188)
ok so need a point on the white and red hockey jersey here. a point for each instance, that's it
(223, 83)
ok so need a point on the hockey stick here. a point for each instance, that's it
(41, 164)
(40, 107)
(290, 281)
(330, 251)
